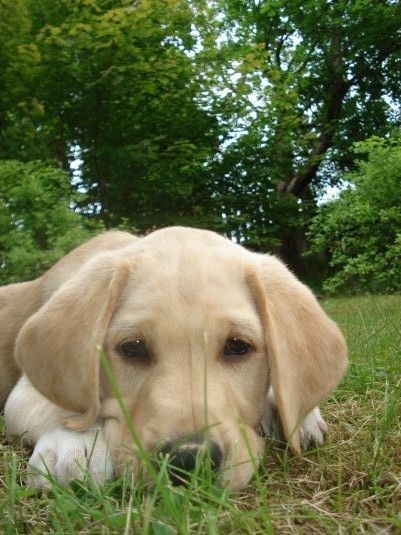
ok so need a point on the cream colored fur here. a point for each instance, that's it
(184, 292)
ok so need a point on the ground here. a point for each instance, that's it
(350, 485)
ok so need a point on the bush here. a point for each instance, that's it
(361, 230)
(38, 224)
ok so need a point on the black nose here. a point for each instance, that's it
(184, 456)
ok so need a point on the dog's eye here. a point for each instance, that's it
(134, 350)
(236, 346)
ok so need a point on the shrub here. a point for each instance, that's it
(362, 229)
(38, 223)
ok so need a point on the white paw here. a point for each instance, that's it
(66, 455)
(313, 430)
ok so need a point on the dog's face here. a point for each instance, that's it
(187, 348)
(196, 329)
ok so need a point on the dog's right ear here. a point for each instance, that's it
(307, 352)
(57, 348)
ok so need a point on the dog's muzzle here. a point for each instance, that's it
(185, 455)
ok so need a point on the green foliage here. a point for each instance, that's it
(227, 114)
(301, 81)
(320, 75)
(112, 82)
(362, 229)
(246, 193)
(37, 225)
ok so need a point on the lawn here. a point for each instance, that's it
(350, 485)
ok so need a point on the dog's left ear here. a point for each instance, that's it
(307, 352)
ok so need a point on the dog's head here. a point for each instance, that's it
(196, 330)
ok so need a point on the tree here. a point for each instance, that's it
(227, 114)
(361, 230)
(301, 81)
(328, 72)
(115, 88)
(16, 115)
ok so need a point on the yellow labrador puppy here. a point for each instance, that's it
(208, 344)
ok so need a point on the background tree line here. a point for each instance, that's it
(229, 114)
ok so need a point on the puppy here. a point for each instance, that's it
(207, 343)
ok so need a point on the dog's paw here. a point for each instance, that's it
(66, 455)
(313, 430)
(270, 425)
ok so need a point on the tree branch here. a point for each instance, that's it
(338, 89)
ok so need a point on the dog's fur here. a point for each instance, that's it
(184, 292)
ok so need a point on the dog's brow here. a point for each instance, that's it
(129, 321)
(124, 327)
(243, 325)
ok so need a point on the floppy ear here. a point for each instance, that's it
(57, 347)
(307, 352)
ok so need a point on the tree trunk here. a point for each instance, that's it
(336, 91)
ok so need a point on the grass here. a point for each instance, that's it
(350, 485)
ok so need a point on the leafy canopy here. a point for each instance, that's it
(113, 83)
(230, 114)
